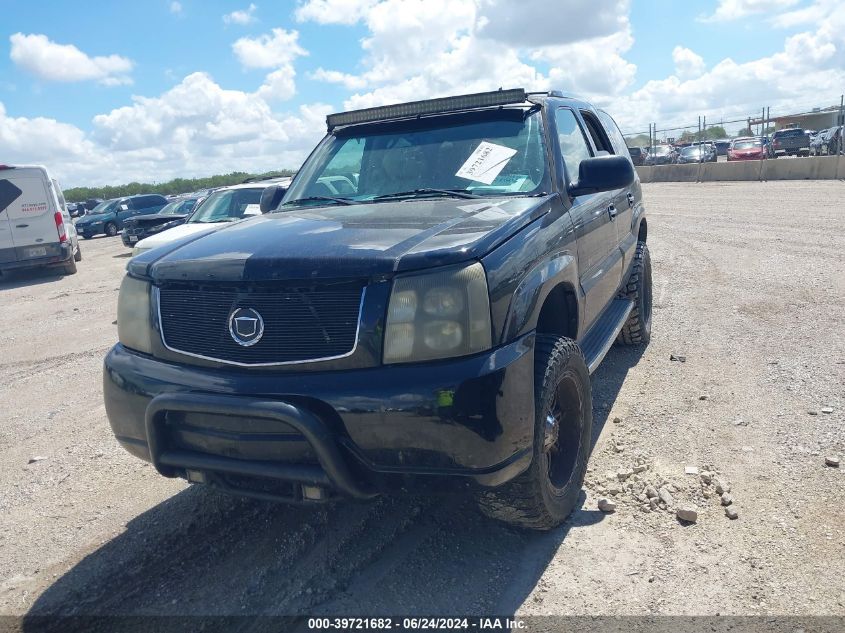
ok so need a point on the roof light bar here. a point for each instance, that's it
(429, 106)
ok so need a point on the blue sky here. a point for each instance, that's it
(158, 88)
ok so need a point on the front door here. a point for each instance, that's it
(593, 218)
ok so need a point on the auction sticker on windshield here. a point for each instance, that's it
(486, 162)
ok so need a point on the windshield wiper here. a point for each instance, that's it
(323, 198)
(457, 193)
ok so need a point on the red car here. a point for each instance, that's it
(747, 149)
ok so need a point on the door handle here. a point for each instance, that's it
(611, 211)
(21, 226)
(630, 199)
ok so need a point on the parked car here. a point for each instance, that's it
(722, 146)
(91, 203)
(747, 148)
(172, 214)
(791, 142)
(108, 216)
(833, 141)
(226, 204)
(818, 143)
(638, 155)
(35, 225)
(661, 155)
(432, 330)
(698, 153)
(75, 209)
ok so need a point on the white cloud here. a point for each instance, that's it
(268, 51)
(688, 64)
(176, 8)
(521, 23)
(334, 11)
(242, 16)
(196, 128)
(735, 9)
(64, 62)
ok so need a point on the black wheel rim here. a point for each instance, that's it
(564, 420)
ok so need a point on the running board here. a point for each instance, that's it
(598, 341)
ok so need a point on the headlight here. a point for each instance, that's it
(438, 315)
(134, 328)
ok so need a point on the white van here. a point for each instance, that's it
(35, 226)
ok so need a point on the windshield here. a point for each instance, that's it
(177, 207)
(229, 205)
(662, 149)
(481, 154)
(104, 207)
(750, 144)
(688, 151)
(793, 132)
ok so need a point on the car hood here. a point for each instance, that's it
(94, 219)
(155, 218)
(176, 234)
(360, 240)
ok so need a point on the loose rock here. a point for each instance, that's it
(722, 486)
(680, 359)
(691, 470)
(731, 513)
(706, 477)
(832, 461)
(827, 409)
(665, 496)
(37, 458)
(623, 473)
(653, 503)
(687, 513)
(703, 396)
(650, 492)
(617, 420)
(606, 505)
(727, 499)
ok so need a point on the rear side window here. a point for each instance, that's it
(573, 143)
(616, 136)
(597, 133)
(8, 194)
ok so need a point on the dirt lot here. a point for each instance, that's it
(749, 288)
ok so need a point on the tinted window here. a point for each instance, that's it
(573, 143)
(788, 133)
(8, 193)
(616, 135)
(229, 205)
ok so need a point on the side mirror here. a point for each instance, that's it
(602, 173)
(271, 197)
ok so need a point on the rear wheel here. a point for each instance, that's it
(70, 267)
(111, 229)
(77, 256)
(637, 329)
(544, 495)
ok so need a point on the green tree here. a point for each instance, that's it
(745, 132)
(171, 187)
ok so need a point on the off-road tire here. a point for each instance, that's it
(77, 256)
(637, 329)
(110, 229)
(532, 500)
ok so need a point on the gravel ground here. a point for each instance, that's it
(749, 290)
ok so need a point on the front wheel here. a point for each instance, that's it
(544, 495)
(111, 229)
(637, 329)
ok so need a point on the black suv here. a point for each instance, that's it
(421, 312)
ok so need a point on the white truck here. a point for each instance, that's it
(35, 225)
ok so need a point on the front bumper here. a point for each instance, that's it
(441, 426)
